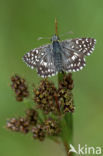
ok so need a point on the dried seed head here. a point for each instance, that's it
(65, 94)
(68, 106)
(67, 82)
(32, 116)
(51, 127)
(50, 100)
(66, 101)
(18, 125)
(38, 132)
(11, 124)
(19, 87)
(23, 125)
(44, 96)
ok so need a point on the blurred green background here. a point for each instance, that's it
(21, 23)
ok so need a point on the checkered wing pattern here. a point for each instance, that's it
(42, 59)
(74, 51)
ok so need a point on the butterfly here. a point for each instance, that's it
(67, 56)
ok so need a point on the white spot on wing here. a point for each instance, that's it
(36, 51)
(77, 42)
(73, 57)
(45, 63)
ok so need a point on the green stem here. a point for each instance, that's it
(69, 137)
(61, 76)
(67, 125)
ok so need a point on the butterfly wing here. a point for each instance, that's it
(42, 59)
(80, 45)
(72, 62)
(74, 51)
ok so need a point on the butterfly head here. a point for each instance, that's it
(55, 38)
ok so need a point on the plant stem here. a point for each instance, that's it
(69, 140)
(61, 76)
(67, 149)
(67, 125)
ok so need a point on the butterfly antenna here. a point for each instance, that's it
(66, 33)
(56, 27)
(40, 38)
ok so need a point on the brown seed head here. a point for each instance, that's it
(32, 116)
(38, 132)
(19, 87)
(44, 96)
(51, 127)
(18, 125)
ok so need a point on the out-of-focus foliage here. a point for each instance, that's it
(21, 23)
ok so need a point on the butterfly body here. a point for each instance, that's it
(68, 56)
(57, 55)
